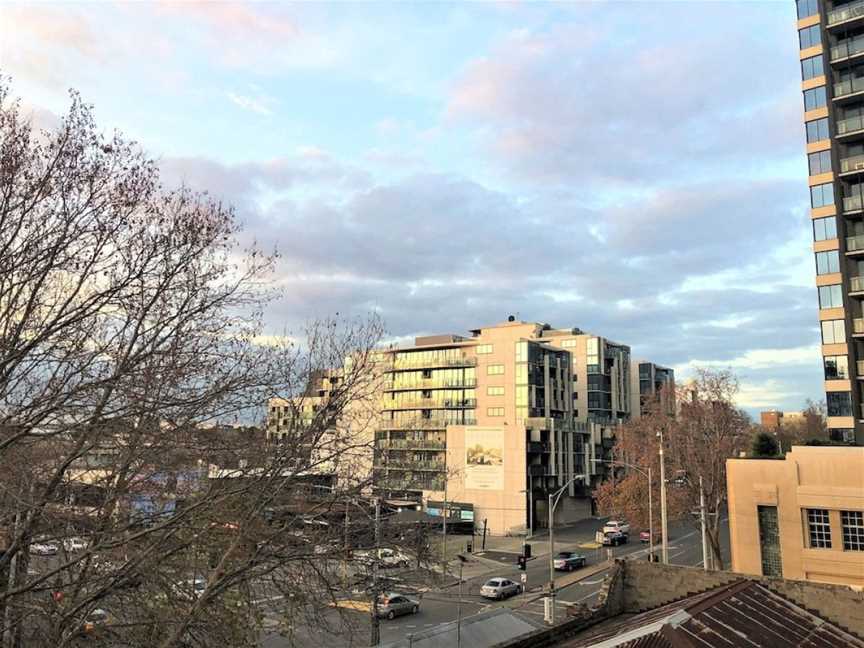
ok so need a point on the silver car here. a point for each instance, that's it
(500, 588)
(392, 605)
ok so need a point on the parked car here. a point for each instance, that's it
(616, 525)
(614, 538)
(392, 605)
(44, 548)
(190, 588)
(74, 544)
(500, 588)
(568, 561)
(386, 558)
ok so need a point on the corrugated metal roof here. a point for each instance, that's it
(745, 613)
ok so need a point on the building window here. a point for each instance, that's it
(822, 195)
(809, 37)
(853, 530)
(494, 411)
(819, 162)
(807, 8)
(494, 369)
(817, 129)
(494, 391)
(815, 98)
(824, 229)
(836, 367)
(827, 262)
(569, 344)
(839, 403)
(483, 348)
(830, 296)
(833, 331)
(819, 528)
(812, 67)
(769, 541)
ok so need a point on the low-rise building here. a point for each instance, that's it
(799, 517)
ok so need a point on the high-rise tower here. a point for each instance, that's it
(831, 38)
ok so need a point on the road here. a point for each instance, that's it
(441, 605)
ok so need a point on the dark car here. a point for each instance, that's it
(568, 561)
(614, 538)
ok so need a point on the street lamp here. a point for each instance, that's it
(664, 521)
(462, 560)
(650, 498)
(553, 502)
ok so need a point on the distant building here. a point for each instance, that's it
(775, 419)
(801, 517)
(651, 385)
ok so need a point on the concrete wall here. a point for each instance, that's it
(648, 585)
(810, 477)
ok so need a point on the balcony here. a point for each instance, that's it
(855, 243)
(429, 403)
(848, 12)
(536, 447)
(408, 365)
(853, 203)
(859, 370)
(538, 470)
(431, 383)
(856, 284)
(852, 164)
(847, 48)
(858, 326)
(436, 466)
(850, 87)
(411, 444)
(425, 424)
(850, 126)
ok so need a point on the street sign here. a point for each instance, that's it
(598, 537)
(524, 578)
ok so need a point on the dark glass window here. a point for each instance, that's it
(824, 229)
(822, 195)
(836, 367)
(812, 67)
(830, 296)
(842, 435)
(819, 528)
(815, 98)
(807, 8)
(833, 331)
(827, 262)
(769, 541)
(817, 130)
(819, 162)
(809, 36)
(839, 403)
(853, 530)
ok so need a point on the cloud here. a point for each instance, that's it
(256, 105)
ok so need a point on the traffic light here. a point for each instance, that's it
(521, 562)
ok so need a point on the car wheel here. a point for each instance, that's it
(391, 615)
(415, 609)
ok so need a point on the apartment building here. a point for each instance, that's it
(651, 385)
(831, 40)
(775, 419)
(800, 517)
(499, 419)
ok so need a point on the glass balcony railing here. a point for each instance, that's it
(855, 243)
(411, 444)
(848, 47)
(404, 364)
(425, 424)
(438, 466)
(854, 163)
(856, 284)
(860, 368)
(852, 203)
(858, 325)
(850, 125)
(431, 383)
(846, 12)
(848, 87)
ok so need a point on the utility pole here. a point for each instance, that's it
(347, 545)
(664, 522)
(553, 502)
(444, 539)
(650, 518)
(459, 605)
(702, 520)
(376, 630)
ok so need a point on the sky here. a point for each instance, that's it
(633, 169)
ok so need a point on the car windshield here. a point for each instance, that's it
(564, 554)
(493, 583)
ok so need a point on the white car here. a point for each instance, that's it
(44, 548)
(191, 588)
(386, 558)
(500, 588)
(74, 544)
(616, 526)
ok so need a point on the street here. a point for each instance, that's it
(440, 605)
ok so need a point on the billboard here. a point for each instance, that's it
(484, 458)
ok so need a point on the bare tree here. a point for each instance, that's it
(708, 429)
(130, 332)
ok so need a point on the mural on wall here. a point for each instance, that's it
(484, 458)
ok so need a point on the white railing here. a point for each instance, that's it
(846, 12)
